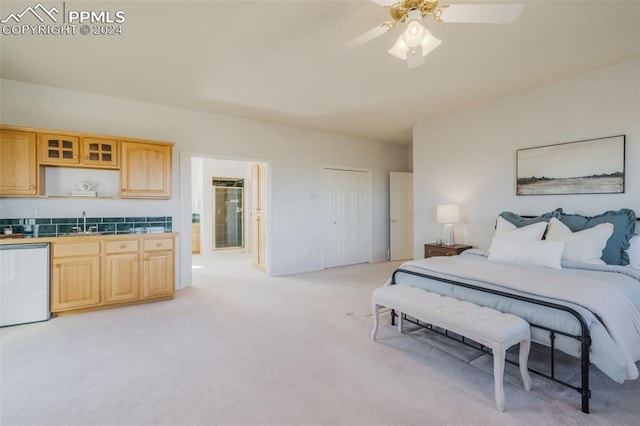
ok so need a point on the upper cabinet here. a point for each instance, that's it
(145, 171)
(18, 166)
(27, 155)
(78, 151)
(59, 150)
(99, 153)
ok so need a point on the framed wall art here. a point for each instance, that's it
(594, 166)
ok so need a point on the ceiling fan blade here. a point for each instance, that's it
(384, 2)
(481, 13)
(369, 35)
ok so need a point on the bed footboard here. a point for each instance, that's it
(584, 336)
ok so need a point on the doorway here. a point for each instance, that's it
(230, 240)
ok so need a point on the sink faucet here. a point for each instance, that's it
(84, 221)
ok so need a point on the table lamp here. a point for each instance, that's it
(448, 214)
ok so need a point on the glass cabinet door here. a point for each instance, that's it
(59, 149)
(99, 152)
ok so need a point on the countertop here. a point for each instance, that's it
(27, 239)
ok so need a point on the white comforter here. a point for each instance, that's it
(597, 291)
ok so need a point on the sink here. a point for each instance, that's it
(80, 234)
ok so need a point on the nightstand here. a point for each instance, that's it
(431, 250)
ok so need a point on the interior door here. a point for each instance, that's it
(400, 216)
(347, 217)
(258, 213)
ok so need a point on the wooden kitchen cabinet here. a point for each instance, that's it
(97, 272)
(18, 164)
(158, 261)
(145, 170)
(195, 238)
(26, 153)
(99, 153)
(78, 151)
(122, 272)
(59, 149)
(76, 275)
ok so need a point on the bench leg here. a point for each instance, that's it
(375, 321)
(524, 357)
(498, 374)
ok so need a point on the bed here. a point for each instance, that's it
(585, 307)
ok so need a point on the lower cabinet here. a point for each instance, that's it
(94, 272)
(75, 279)
(158, 268)
(195, 238)
(122, 272)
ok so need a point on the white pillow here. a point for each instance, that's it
(583, 246)
(634, 251)
(542, 253)
(506, 229)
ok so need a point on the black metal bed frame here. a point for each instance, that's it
(584, 337)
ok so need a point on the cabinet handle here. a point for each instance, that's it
(56, 266)
(86, 157)
(158, 244)
(122, 246)
(32, 187)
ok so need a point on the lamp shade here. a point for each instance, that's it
(401, 50)
(448, 213)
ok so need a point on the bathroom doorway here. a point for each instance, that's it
(245, 241)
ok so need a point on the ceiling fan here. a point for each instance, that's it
(416, 41)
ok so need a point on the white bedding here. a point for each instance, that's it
(612, 296)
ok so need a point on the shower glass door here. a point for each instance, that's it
(228, 203)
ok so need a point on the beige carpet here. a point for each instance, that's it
(246, 349)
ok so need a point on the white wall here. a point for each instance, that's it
(469, 157)
(296, 157)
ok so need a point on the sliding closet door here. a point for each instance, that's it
(347, 217)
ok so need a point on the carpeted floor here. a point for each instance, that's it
(240, 348)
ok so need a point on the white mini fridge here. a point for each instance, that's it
(24, 283)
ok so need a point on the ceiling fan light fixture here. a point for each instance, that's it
(414, 33)
(429, 42)
(400, 49)
(414, 55)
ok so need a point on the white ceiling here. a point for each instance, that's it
(280, 61)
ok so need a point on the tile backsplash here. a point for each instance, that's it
(51, 227)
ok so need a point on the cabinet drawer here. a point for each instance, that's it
(76, 249)
(439, 252)
(121, 246)
(158, 244)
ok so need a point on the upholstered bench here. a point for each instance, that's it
(491, 328)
